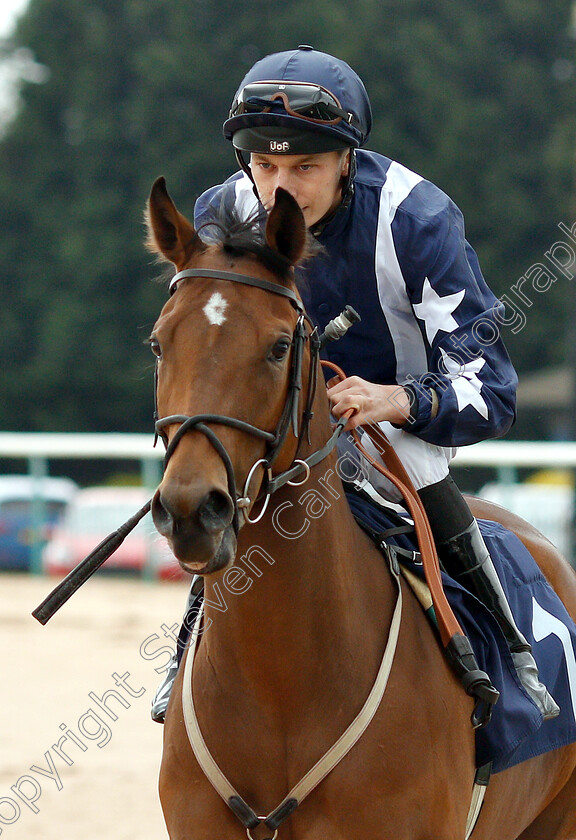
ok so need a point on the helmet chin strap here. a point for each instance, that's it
(347, 195)
(347, 189)
(245, 168)
(348, 185)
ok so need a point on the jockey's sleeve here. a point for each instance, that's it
(469, 391)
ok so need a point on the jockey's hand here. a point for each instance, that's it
(371, 403)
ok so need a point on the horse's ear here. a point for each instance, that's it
(286, 228)
(169, 232)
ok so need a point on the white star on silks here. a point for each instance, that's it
(436, 311)
(466, 384)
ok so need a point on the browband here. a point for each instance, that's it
(238, 278)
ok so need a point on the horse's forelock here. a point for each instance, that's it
(238, 238)
(234, 237)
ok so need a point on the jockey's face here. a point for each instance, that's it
(315, 181)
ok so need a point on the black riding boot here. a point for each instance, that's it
(162, 696)
(465, 557)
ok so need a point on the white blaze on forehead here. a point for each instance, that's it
(215, 309)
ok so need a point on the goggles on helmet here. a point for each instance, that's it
(299, 99)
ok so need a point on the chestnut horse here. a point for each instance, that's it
(300, 603)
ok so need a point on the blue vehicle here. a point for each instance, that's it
(29, 508)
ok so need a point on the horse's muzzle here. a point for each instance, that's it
(200, 533)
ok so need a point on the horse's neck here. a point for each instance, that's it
(307, 588)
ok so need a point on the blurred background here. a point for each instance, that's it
(105, 95)
(97, 99)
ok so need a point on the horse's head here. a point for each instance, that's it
(226, 343)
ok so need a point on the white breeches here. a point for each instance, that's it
(424, 462)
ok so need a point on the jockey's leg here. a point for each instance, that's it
(464, 556)
(162, 696)
(461, 547)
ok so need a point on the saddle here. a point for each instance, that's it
(516, 731)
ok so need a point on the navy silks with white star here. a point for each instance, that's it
(398, 255)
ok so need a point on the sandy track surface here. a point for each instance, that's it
(76, 704)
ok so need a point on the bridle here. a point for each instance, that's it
(199, 422)
(290, 413)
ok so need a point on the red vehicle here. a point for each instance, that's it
(94, 513)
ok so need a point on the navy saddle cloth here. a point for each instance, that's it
(516, 731)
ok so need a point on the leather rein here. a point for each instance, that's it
(457, 646)
(476, 683)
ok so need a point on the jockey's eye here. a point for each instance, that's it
(280, 349)
(155, 347)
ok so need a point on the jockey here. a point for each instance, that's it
(427, 359)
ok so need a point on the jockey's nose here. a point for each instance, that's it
(285, 179)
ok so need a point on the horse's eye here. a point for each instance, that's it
(280, 349)
(155, 347)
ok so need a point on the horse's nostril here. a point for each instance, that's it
(215, 511)
(213, 514)
(163, 519)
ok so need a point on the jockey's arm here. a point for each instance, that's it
(467, 393)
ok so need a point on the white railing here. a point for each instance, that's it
(505, 457)
(524, 453)
(50, 445)
(71, 445)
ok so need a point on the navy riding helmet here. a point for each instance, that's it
(300, 102)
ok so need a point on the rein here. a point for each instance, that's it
(457, 646)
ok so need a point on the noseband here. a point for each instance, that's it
(289, 416)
